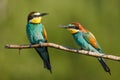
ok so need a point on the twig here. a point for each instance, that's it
(53, 45)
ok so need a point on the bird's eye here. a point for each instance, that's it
(75, 27)
(31, 17)
(71, 26)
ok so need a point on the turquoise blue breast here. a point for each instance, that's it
(35, 33)
(82, 42)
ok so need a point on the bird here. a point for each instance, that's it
(86, 40)
(37, 34)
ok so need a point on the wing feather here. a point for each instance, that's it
(45, 34)
(89, 37)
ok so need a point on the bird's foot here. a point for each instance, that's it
(89, 51)
(82, 48)
(30, 45)
(79, 49)
(40, 44)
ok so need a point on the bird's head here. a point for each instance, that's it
(74, 27)
(35, 17)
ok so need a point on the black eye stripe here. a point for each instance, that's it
(71, 26)
(31, 17)
(74, 27)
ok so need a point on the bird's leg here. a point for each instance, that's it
(78, 50)
(89, 51)
(82, 48)
(30, 45)
(40, 44)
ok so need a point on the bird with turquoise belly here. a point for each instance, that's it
(86, 40)
(37, 34)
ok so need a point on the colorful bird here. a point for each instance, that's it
(86, 40)
(37, 35)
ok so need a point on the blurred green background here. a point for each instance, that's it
(101, 17)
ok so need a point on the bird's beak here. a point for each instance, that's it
(64, 26)
(69, 28)
(43, 14)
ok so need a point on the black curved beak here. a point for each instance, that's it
(43, 14)
(64, 26)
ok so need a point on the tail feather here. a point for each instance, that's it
(104, 65)
(47, 65)
(43, 52)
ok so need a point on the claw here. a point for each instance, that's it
(30, 45)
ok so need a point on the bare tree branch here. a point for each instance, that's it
(53, 45)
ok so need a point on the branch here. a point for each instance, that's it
(53, 45)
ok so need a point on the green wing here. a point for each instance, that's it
(89, 37)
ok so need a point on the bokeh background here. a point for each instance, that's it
(101, 17)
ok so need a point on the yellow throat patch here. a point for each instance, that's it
(73, 31)
(36, 20)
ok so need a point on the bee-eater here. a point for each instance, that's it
(36, 33)
(86, 40)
